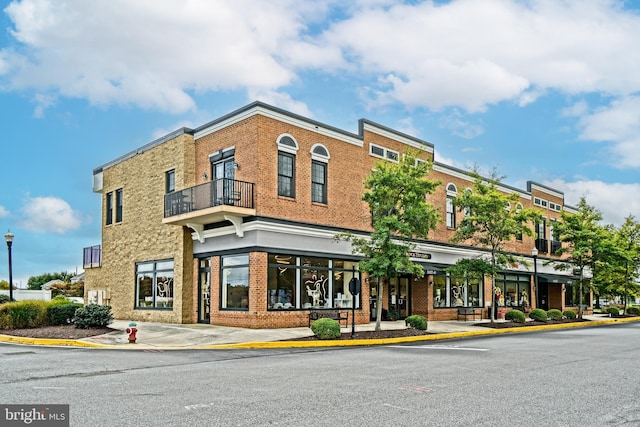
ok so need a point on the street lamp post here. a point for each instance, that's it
(9, 239)
(534, 253)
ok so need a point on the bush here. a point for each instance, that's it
(417, 322)
(569, 314)
(612, 310)
(93, 316)
(554, 314)
(23, 314)
(538, 314)
(633, 311)
(515, 316)
(62, 314)
(4, 299)
(326, 329)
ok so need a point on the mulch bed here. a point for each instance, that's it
(57, 332)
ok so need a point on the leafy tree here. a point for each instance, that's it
(36, 282)
(491, 219)
(586, 243)
(627, 243)
(5, 285)
(396, 194)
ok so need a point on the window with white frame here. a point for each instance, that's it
(319, 167)
(287, 149)
(452, 191)
(384, 153)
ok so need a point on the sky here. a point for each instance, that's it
(541, 90)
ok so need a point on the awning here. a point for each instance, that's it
(556, 278)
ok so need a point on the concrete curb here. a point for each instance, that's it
(316, 343)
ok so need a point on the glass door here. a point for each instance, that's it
(399, 297)
(222, 173)
(204, 291)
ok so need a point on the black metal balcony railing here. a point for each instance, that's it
(223, 191)
(555, 246)
(542, 245)
(92, 257)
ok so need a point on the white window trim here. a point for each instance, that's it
(385, 153)
(286, 148)
(319, 157)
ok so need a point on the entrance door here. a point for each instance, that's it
(399, 296)
(543, 288)
(222, 173)
(204, 291)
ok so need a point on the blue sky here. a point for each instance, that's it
(543, 90)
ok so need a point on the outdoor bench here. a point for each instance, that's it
(329, 314)
(468, 311)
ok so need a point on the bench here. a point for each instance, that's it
(329, 314)
(468, 311)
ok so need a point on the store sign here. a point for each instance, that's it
(419, 255)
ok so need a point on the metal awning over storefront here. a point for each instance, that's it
(556, 278)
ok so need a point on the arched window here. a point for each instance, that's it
(287, 149)
(319, 167)
(452, 192)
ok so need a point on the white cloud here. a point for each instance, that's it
(49, 214)
(459, 126)
(619, 124)
(467, 54)
(615, 200)
(4, 212)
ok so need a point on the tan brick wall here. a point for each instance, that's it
(141, 236)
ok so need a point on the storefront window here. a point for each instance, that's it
(235, 282)
(572, 296)
(154, 284)
(513, 290)
(309, 282)
(450, 291)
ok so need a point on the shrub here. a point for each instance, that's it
(4, 299)
(515, 316)
(554, 314)
(612, 310)
(62, 314)
(417, 322)
(538, 314)
(23, 314)
(326, 329)
(569, 314)
(633, 311)
(92, 316)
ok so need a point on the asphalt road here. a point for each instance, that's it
(577, 377)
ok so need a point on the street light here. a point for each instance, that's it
(9, 239)
(534, 253)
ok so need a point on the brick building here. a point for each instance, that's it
(233, 223)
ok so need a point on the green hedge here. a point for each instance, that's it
(93, 316)
(569, 314)
(538, 314)
(554, 314)
(417, 322)
(23, 314)
(326, 329)
(62, 314)
(4, 299)
(633, 311)
(612, 310)
(515, 316)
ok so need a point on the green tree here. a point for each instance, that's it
(491, 219)
(627, 243)
(36, 282)
(4, 285)
(396, 194)
(586, 244)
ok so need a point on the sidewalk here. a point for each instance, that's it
(164, 336)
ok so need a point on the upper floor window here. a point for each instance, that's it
(170, 181)
(452, 191)
(109, 209)
(518, 209)
(287, 149)
(384, 153)
(320, 158)
(119, 205)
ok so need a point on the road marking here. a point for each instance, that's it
(417, 389)
(439, 347)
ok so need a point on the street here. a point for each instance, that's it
(575, 377)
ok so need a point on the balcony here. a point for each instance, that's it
(223, 199)
(542, 245)
(92, 257)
